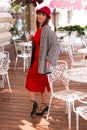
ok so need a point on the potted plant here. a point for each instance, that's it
(17, 24)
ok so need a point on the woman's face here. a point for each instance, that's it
(41, 17)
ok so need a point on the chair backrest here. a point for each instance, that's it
(21, 48)
(27, 49)
(73, 36)
(6, 60)
(84, 39)
(57, 74)
(1, 59)
(67, 41)
(18, 48)
(70, 38)
(76, 59)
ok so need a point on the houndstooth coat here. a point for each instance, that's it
(49, 49)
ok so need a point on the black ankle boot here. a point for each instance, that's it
(34, 109)
(44, 111)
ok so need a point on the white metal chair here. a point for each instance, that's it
(80, 110)
(68, 41)
(23, 52)
(66, 94)
(4, 69)
(58, 72)
(77, 59)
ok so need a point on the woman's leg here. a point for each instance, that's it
(44, 104)
(32, 96)
(44, 97)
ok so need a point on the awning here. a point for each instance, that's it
(65, 4)
(85, 7)
(77, 5)
(60, 4)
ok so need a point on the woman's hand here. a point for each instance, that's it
(48, 64)
(30, 37)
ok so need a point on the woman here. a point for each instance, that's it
(45, 54)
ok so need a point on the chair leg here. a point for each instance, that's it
(49, 108)
(2, 82)
(69, 114)
(27, 64)
(24, 64)
(66, 109)
(77, 121)
(8, 83)
(16, 63)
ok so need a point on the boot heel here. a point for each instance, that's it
(34, 110)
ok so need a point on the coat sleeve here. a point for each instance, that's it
(53, 49)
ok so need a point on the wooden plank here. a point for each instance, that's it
(15, 106)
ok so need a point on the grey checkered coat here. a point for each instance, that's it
(49, 49)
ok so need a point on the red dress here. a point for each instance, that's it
(35, 81)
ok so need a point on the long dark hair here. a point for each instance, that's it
(45, 22)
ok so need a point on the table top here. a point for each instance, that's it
(83, 50)
(5, 43)
(76, 74)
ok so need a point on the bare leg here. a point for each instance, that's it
(32, 96)
(44, 97)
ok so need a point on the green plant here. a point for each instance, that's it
(70, 28)
(15, 6)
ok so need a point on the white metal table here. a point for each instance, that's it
(59, 35)
(76, 74)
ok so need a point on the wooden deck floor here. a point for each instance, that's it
(15, 106)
